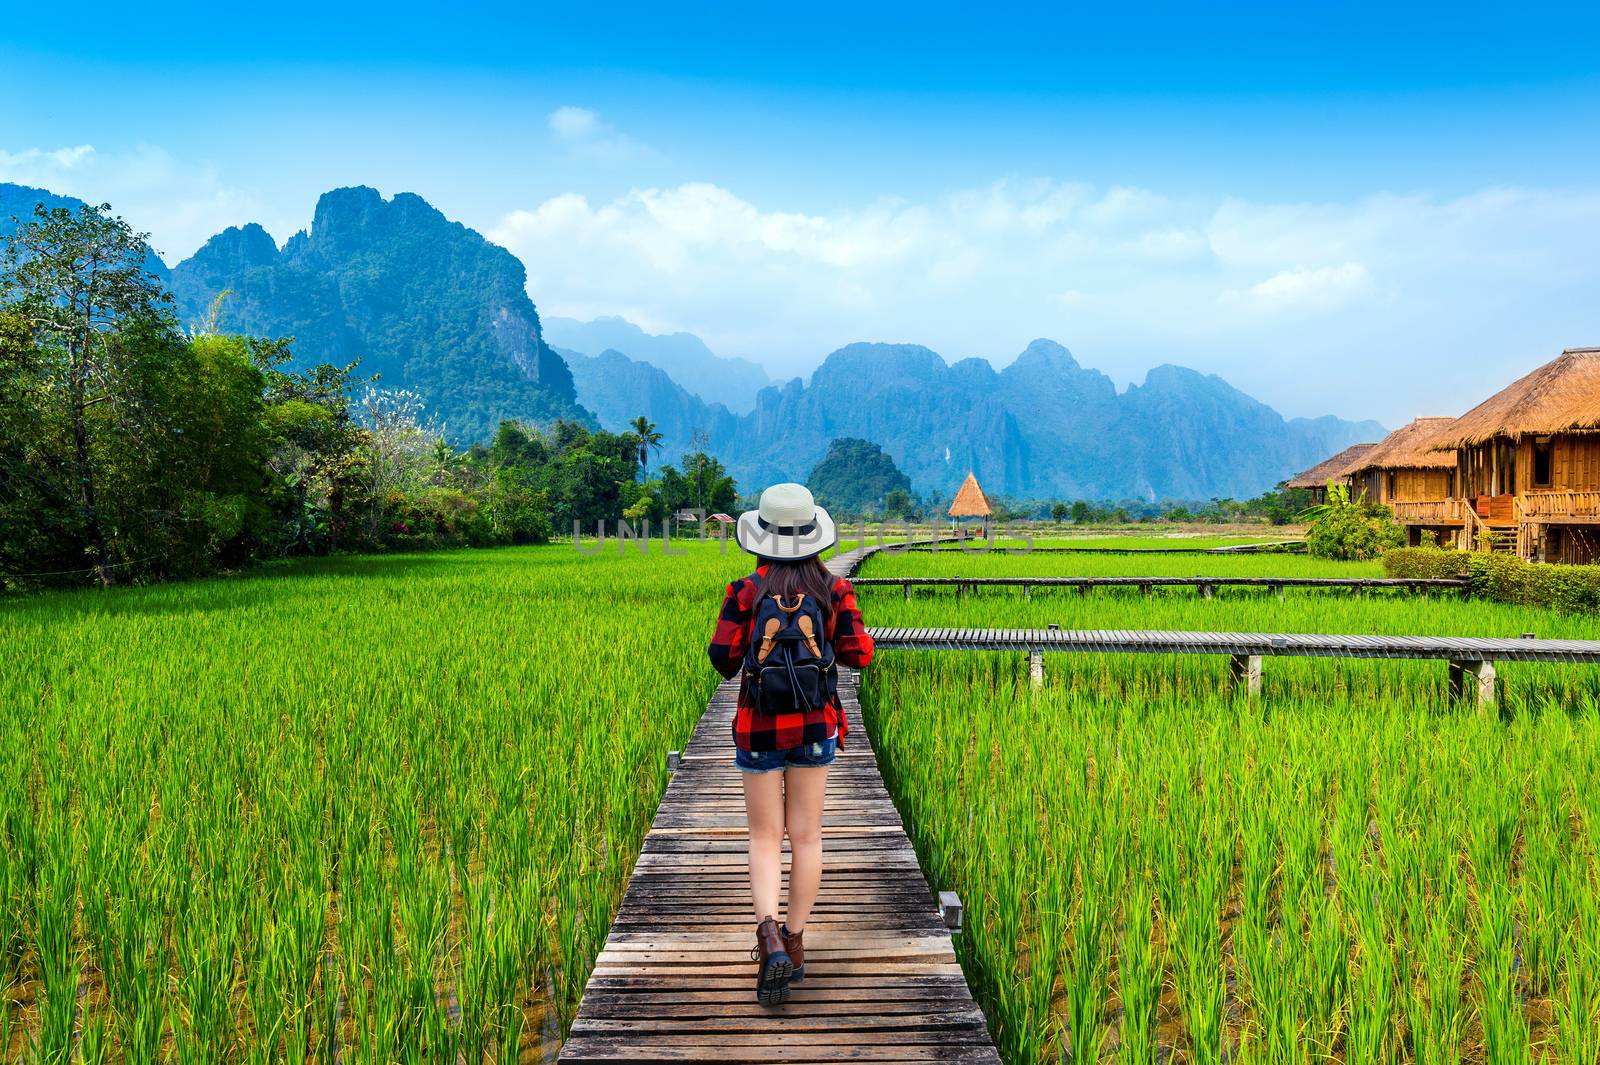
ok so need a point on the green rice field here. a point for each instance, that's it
(383, 809)
(1350, 870)
(374, 809)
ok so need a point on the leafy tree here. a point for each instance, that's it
(77, 282)
(39, 512)
(708, 485)
(314, 462)
(1082, 513)
(898, 503)
(1060, 512)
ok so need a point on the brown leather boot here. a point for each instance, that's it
(797, 953)
(773, 967)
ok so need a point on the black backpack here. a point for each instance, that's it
(789, 665)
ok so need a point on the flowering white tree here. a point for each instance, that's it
(402, 449)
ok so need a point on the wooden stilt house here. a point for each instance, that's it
(1528, 462)
(1315, 480)
(970, 502)
(1405, 473)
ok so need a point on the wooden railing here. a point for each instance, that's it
(1429, 511)
(1551, 506)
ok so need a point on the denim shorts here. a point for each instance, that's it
(802, 757)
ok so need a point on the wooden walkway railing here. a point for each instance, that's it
(978, 546)
(1471, 658)
(674, 981)
(1207, 586)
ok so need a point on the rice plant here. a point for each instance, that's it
(364, 810)
(1332, 878)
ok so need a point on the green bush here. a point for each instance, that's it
(1504, 578)
(1511, 580)
(1425, 562)
(1354, 532)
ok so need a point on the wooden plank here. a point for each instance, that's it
(1302, 645)
(674, 981)
(1412, 584)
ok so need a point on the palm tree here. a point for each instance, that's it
(645, 430)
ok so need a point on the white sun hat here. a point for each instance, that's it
(788, 525)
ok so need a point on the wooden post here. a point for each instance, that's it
(1481, 686)
(907, 588)
(1083, 589)
(1027, 593)
(950, 910)
(1145, 588)
(1036, 670)
(1246, 670)
(1276, 589)
(1207, 591)
(674, 760)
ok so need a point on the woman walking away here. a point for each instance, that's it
(784, 628)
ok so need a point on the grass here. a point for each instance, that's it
(1180, 877)
(376, 809)
(383, 809)
(1351, 870)
(953, 562)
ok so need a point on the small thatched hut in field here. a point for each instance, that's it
(1317, 477)
(1407, 474)
(1528, 461)
(970, 502)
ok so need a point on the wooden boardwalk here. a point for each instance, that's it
(979, 546)
(1301, 645)
(675, 981)
(1471, 658)
(1206, 585)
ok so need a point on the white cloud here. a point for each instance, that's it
(1351, 291)
(1322, 287)
(59, 158)
(587, 138)
(179, 202)
(574, 123)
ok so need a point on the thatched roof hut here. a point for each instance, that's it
(1562, 396)
(1327, 470)
(1414, 446)
(970, 502)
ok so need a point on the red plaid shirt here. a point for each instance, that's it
(756, 731)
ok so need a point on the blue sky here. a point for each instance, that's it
(1296, 200)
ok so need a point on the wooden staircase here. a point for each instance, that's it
(1502, 538)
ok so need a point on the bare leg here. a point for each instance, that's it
(806, 788)
(763, 806)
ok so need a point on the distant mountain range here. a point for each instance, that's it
(684, 356)
(436, 308)
(1044, 427)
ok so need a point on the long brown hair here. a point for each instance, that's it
(809, 576)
